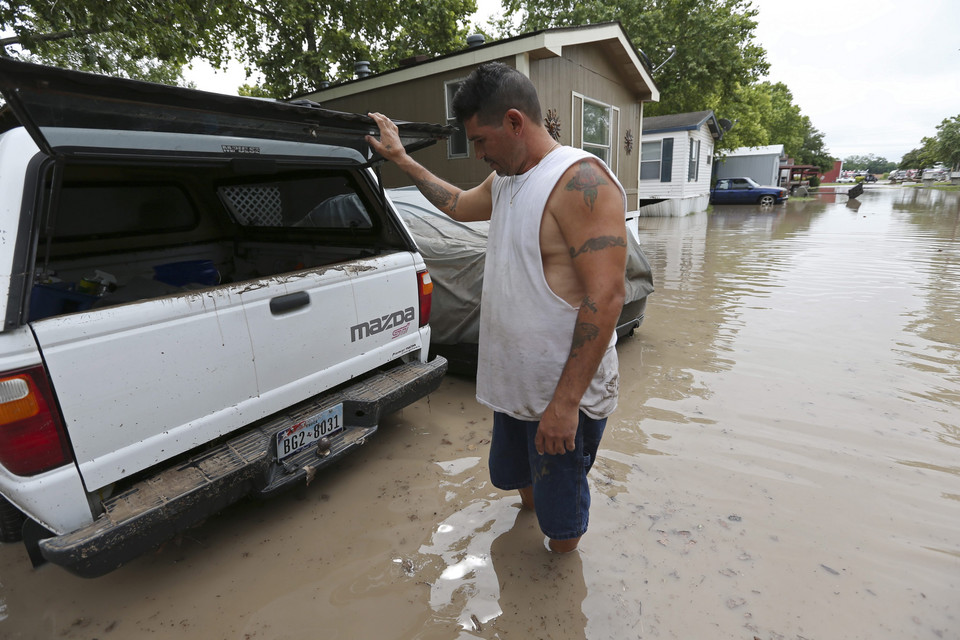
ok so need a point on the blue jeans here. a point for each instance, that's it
(560, 491)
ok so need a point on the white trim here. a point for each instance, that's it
(451, 119)
(638, 142)
(614, 160)
(640, 179)
(615, 140)
(769, 150)
(522, 63)
(448, 112)
(693, 162)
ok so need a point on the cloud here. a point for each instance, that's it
(873, 77)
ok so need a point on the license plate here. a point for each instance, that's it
(309, 431)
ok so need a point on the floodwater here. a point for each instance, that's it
(784, 464)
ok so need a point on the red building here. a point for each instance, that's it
(834, 173)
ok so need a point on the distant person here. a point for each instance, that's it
(552, 292)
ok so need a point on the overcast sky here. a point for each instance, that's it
(874, 76)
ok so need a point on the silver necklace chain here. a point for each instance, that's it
(530, 172)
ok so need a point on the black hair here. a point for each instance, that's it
(491, 90)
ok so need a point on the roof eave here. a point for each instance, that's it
(710, 120)
(537, 45)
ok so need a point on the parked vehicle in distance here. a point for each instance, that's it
(846, 180)
(746, 191)
(938, 173)
(205, 297)
(454, 253)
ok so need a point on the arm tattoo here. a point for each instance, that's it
(589, 304)
(437, 195)
(587, 180)
(597, 244)
(582, 334)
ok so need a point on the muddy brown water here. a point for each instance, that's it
(783, 465)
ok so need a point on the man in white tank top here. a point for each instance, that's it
(552, 293)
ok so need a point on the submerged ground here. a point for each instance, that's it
(783, 464)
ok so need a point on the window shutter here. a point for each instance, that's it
(666, 162)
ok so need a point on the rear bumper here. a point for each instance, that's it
(176, 498)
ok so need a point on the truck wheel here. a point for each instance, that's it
(767, 201)
(11, 522)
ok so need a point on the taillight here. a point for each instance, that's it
(426, 296)
(32, 439)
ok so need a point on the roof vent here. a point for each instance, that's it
(324, 84)
(475, 40)
(361, 68)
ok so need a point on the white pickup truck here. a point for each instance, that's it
(203, 298)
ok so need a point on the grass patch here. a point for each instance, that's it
(940, 186)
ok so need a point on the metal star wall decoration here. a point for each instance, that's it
(553, 124)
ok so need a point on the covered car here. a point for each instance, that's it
(746, 191)
(454, 253)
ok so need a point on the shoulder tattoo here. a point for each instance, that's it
(587, 180)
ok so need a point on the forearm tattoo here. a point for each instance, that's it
(583, 333)
(597, 244)
(587, 180)
(589, 304)
(438, 195)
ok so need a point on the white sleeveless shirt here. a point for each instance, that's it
(526, 330)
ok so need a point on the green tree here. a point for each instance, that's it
(855, 163)
(948, 142)
(764, 113)
(293, 44)
(924, 156)
(716, 53)
(812, 150)
(747, 109)
(910, 160)
(297, 44)
(717, 64)
(869, 163)
(139, 39)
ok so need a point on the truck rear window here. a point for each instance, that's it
(315, 202)
(122, 209)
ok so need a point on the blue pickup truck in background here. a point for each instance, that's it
(746, 191)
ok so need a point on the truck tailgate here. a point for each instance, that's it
(140, 383)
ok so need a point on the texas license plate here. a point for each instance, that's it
(309, 431)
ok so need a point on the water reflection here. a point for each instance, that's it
(489, 574)
(847, 322)
(818, 347)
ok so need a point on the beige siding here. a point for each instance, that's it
(583, 70)
(586, 71)
(422, 100)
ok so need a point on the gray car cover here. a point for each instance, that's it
(454, 253)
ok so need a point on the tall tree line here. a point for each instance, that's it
(943, 147)
(292, 46)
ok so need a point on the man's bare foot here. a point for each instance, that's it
(564, 546)
(526, 498)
